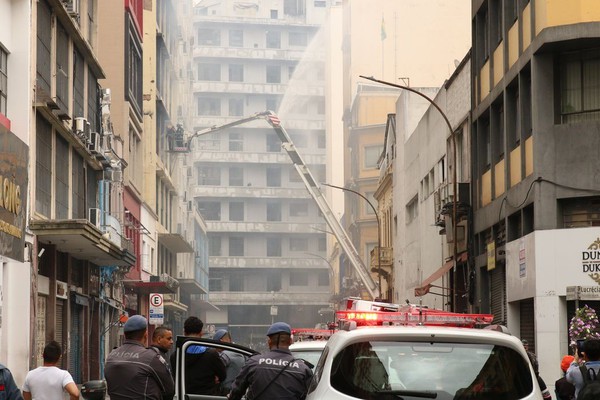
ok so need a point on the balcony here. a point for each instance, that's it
(254, 158)
(204, 52)
(266, 227)
(264, 298)
(309, 262)
(249, 192)
(256, 88)
(299, 122)
(387, 257)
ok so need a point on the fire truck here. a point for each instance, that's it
(179, 143)
(355, 312)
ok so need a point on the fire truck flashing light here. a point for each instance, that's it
(367, 313)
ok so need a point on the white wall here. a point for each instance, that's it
(552, 261)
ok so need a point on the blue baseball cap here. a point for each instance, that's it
(279, 327)
(219, 334)
(135, 323)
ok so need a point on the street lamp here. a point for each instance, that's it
(454, 183)
(378, 228)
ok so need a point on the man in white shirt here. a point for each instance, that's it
(49, 382)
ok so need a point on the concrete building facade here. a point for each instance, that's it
(266, 238)
(535, 182)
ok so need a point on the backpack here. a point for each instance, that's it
(591, 386)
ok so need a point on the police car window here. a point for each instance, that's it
(318, 371)
(369, 370)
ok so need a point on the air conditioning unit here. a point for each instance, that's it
(93, 143)
(79, 124)
(72, 7)
(95, 217)
(113, 176)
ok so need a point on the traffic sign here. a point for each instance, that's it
(157, 309)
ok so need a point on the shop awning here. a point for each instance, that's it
(426, 284)
(175, 242)
(192, 286)
(143, 287)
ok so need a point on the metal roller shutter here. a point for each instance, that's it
(76, 343)
(498, 294)
(527, 328)
(58, 333)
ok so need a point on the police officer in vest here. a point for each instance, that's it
(274, 374)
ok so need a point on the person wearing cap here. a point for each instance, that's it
(133, 371)
(233, 361)
(536, 369)
(204, 370)
(564, 390)
(274, 374)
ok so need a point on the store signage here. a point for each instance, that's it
(491, 255)
(14, 155)
(583, 292)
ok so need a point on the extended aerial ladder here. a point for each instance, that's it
(181, 144)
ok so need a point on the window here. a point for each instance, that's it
(44, 45)
(214, 245)
(236, 38)
(272, 104)
(300, 141)
(3, 80)
(294, 7)
(209, 37)
(208, 106)
(455, 367)
(273, 40)
(210, 210)
(321, 141)
(412, 210)
(298, 278)
(580, 86)
(274, 281)
(298, 244)
(236, 283)
(43, 168)
(273, 143)
(236, 107)
(372, 154)
(291, 70)
(62, 68)
(93, 98)
(78, 84)
(274, 247)
(209, 176)
(236, 73)
(320, 103)
(274, 14)
(294, 175)
(322, 244)
(323, 278)
(134, 69)
(236, 246)
(209, 72)
(274, 211)
(273, 176)
(78, 185)
(62, 179)
(273, 74)
(236, 176)
(373, 201)
(298, 39)
(298, 209)
(236, 211)
(236, 142)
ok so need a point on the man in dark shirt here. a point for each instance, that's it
(204, 370)
(274, 374)
(133, 371)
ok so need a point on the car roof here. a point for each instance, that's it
(419, 333)
(308, 345)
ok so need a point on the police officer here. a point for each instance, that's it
(133, 371)
(274, 374)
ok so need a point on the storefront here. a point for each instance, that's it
(542, 270)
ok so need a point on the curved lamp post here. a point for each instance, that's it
(378, 228)
(454, 183)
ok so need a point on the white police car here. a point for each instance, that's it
(417, 362)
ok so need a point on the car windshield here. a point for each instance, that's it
(310, 355)
(378, 369)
